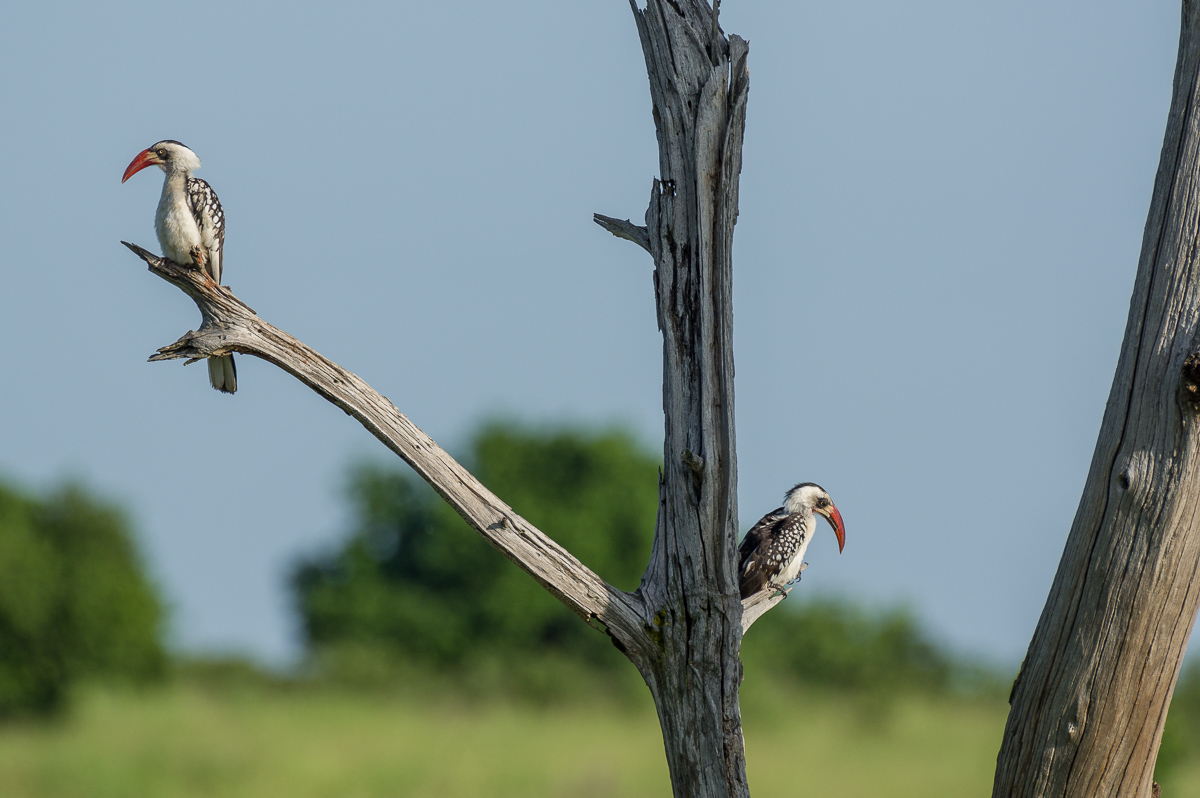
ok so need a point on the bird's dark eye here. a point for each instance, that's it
(822, 502)
(161, 153)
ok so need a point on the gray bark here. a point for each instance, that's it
(683, 627)
(1089, 704)
(698, 86)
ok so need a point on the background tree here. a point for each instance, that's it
(413, 582)
(75, 602)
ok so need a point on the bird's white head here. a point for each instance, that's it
(808, 497)
(169, 155)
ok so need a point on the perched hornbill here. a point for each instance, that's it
(190, 226)
(772, 553)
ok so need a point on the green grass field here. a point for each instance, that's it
(185, 741)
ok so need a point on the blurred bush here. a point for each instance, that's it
(834, 643)
(414, 587)
(74, 601)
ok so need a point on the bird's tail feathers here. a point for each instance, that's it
(222, 373)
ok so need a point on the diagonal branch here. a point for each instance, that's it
(229, 325)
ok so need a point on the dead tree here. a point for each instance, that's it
(1089, 704)
(683, 627)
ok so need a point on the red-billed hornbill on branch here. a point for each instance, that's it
(772, 553)
(190, 226)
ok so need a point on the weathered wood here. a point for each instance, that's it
(623, 228)
(229, 325)
(1089, 704)
(698, 87)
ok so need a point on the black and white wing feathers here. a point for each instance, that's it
(754, 554)
(210, 218)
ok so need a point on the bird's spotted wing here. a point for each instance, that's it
(210, 218)
(754, 566)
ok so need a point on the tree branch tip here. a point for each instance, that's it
(171, 353)
(143, 253)
(183, 348)
(624, 228)
(138, 251)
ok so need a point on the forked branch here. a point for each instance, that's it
(229, 325)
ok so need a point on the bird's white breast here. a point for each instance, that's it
(174, 224)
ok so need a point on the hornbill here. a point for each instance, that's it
(772, 553)
(190, 226)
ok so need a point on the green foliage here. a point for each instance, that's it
(74, 602)
(415, 581)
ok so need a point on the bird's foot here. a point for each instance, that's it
(198, 257)
(780, 590)
(791, 583)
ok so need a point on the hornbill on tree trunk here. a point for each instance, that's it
(772, 553)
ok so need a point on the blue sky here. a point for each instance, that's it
(942, 205)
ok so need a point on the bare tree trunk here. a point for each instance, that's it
(683, 627)
(1089, 704)
(699, 85)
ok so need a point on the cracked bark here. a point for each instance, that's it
(1089, 704)
(683, 627)
(698, 87)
